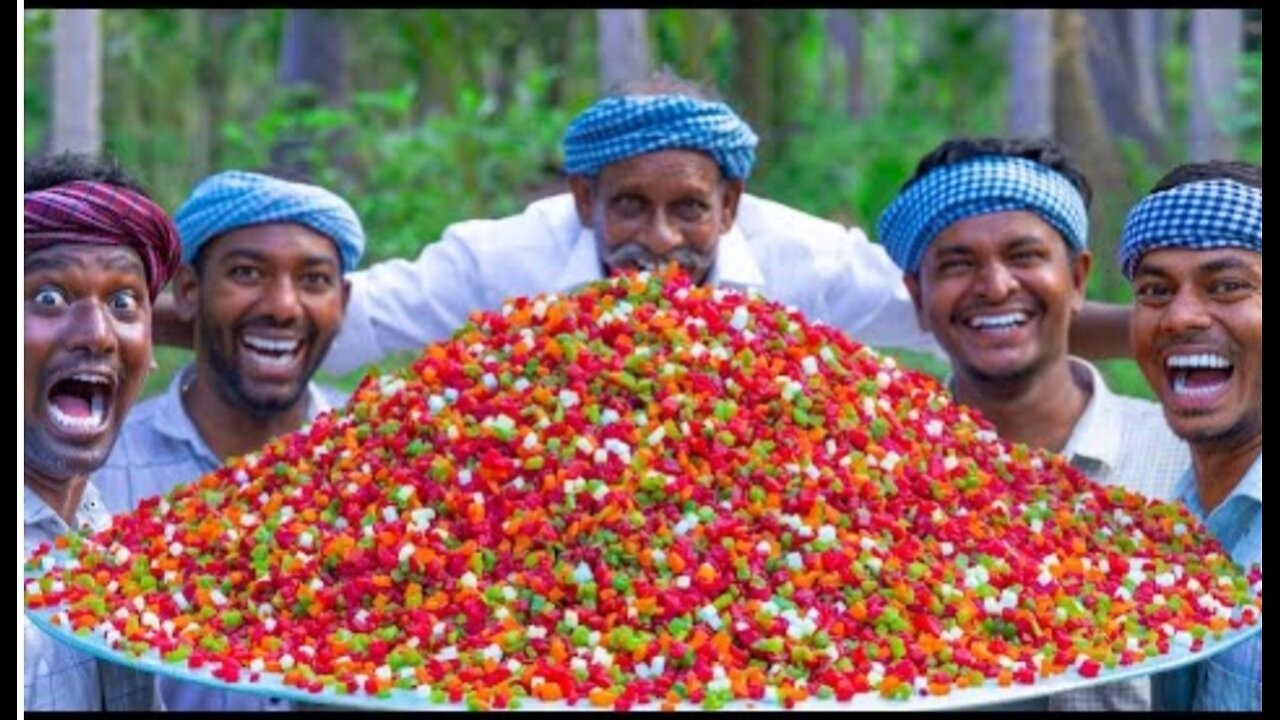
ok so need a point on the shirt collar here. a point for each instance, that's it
(1097, 434)
(36, 511)
(173, 419)
(1249, 487)
(735, 265)
(34, 508)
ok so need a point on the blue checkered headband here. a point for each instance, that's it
(620, 127)
(1201, 216)
(987, 184)
(236, 199)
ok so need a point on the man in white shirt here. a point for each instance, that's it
(655, 175)
(96, 252)
(991, 235)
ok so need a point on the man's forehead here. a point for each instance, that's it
(79, 256)
(1188, 261)
(276, 241)
(678, 162)
(997, 230)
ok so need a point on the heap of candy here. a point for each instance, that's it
(647, 492)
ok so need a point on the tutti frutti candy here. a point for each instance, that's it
(647, 492)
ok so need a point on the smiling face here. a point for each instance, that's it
(1197, 334)
(86, 348)
(999, 291)
(657, 208)
(268, 302)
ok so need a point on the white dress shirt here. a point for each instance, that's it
(831, 273)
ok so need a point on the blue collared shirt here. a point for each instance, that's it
(1231, 680)
(55, 676)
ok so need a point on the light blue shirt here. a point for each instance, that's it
(159, 448)
(54, 675)
(1231, 680)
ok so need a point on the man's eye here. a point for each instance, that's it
(49, 297)
(124, 301)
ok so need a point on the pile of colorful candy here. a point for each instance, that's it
(647, 492)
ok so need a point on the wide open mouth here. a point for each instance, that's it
(1198, 375)
(80, 403)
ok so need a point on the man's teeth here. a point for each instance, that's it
(999, 321)
(93, 421)
(271, 345)
(91, 379)
(1199, 361)
(1181, 387)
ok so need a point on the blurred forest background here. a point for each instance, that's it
(426, 117)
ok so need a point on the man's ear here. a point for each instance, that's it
(917, 299)
(1080, 266)
(346, 294)
(584, 197)
(732, 195)
(186, 293)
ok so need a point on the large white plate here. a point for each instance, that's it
(270, 685)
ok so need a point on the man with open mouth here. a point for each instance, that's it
(991, 235)
(263, 281)
(1193, 251)
(96, 252)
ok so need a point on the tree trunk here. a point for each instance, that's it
(1253, 30)
(1145, 57)
(784, 32)
(505, 72)
(212, 77)
(1031, 76)
(1082, 129)
(750, 83)
(77, 81)
(555, 33)
(1115, 79)
(1217, 40)
(313, 71)
(622, 47)
(844, 28)
(696, 26)
(313, 53)
(1162, 31)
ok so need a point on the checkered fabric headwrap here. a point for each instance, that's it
(620, 127)
(984, 185)
(96, 213)
(236, 199)
(1200, 215)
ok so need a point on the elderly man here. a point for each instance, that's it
(1193, 251)
(991, 235)
(262, 278)
(96, 252)
(656, 175)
